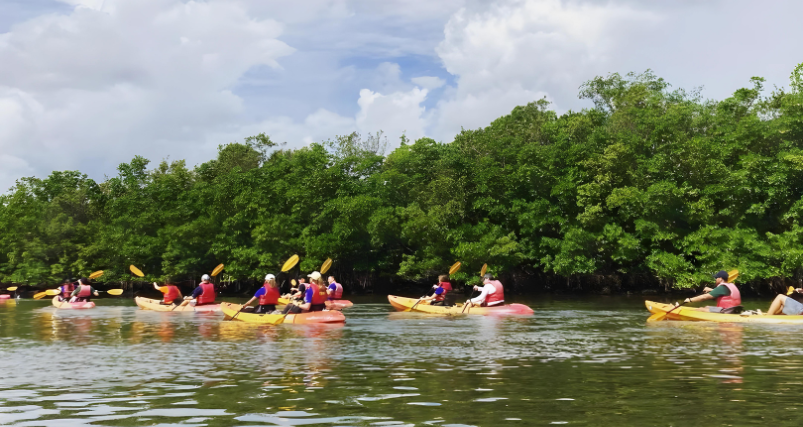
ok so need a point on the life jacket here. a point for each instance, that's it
(171, 294)
(66, 290)
(271, 296)
(497, 297)
(85, 291)
(446, 286)
(338, 292)
(208, 295)
(732, 300)
(318, 294)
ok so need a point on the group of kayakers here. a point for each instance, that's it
(729, 299)
(82, 291)
(492, 293)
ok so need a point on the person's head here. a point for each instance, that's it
(487, 278)
(205, 278)
(270, 280)
(67, 281)
(302, 280)
(315, 277)
(331, 279)
(443, 278)
(721, 277)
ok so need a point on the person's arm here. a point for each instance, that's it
(75, 292)
(197, 292)
(155, 286)
(94, 292)
(481, 299)
(438, 291)
(719, 291)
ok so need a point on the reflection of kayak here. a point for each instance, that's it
(71, 305)
(401, 303)
(685, 313)
(337, 304)
(304, 318)
(153, 304)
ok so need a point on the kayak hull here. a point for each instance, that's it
(314, 317)
(337, 304)
(407, 304)
(71, 305)
(5, 296)
(153, 304)
(690, 314)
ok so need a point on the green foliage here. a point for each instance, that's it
(650, 181)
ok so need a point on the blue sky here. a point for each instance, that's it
(88, 84)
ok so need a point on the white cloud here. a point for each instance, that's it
(428, 82)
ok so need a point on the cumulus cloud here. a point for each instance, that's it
(428, 82)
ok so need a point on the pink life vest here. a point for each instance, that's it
(338, 292)
(66, 290)
(208, 294)
(732, 300)
(85, 291)
(271, 296)
(497, 297)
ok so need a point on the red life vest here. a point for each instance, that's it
(271, 296)
(66, 290)
(732, 300)
(338, 292)
(85, 291)
(318, 294)
(498, 295)
(171, 294)
(446, 286)
(208, 294)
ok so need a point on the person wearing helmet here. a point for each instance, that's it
(268, 296)
(493, 293)
(204, 294)
(83, 292)
(729, 300)
(172, 295)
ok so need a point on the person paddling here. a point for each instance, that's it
(314, 297)
(268, 296)
(172, 295)
(335, 290)
(493, 293)
(83, 292)
(297, 293)
(729, 299)
(789, 306)
(66, 290)
(441, 290)
(204, 294)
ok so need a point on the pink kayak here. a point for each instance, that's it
(338, 304)
(5, 296)
(64, 305)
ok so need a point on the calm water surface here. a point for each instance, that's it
(592, 362)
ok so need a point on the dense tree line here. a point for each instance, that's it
(651, 181)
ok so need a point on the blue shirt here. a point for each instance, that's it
(197, 292)
(439, 291)
(308, 295)
(260, 292)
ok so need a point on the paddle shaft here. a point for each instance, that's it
(673, 309)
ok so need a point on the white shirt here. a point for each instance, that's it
(488, 289)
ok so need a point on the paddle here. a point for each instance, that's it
(12, 289)
(790, 291)
(217, 270)
(96, 274)
(657, 317)
(326, 265)
(467, 304)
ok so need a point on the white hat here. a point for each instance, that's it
(314, 275)
(206, 277)
(269, 277)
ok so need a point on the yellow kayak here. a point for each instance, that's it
(153, 304)
(690, 314)
(303, 318)
(407, 304)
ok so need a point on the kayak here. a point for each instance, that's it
(303, 318)
(153, 304)
(405, 304)
(5, 296)
(690, 314)
(71, 305)
(336, 304)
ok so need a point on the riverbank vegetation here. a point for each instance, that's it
(652, 183)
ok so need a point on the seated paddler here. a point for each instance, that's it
(66, 290)
(83, 292)
(172, 295)
(492, 293)
(727, 295)
(314, 296)
(268, 296)
(443, 288)
(335, 290)
(784, 304)
(204, 294)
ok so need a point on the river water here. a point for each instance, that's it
(591, 362)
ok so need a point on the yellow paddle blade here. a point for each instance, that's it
(484, 269)
(790, 291)
(40, 295)
(732, 275)
(115, 292)
(52, 292)
(293, 282)
(217, 270)
(657, 317)
(455, 268)
(279, 320)
(326, 265)
(96, 274)
(136, 271)
(12, 289)
(290, 263)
